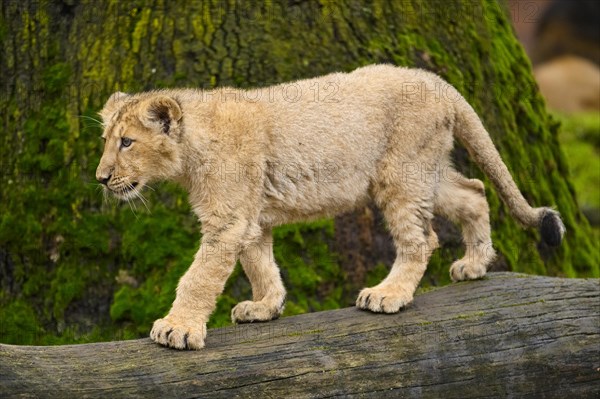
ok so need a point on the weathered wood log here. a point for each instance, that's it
(509, 335)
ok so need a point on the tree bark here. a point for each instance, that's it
(509, 335)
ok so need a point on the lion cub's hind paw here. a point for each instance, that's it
(382, 300)
(178, 335)
(250, 311)
(462, 270)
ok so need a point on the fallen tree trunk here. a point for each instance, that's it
(510, 335)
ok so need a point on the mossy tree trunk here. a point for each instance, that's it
(68, 260)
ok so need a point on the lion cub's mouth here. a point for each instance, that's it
(125, 190)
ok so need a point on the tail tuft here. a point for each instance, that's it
(552, 228)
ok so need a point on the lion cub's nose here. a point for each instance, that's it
(103, 180)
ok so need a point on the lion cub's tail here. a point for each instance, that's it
(470, 131)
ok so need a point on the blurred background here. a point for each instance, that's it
(562, 39)
(75, 268)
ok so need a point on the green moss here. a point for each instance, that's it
(65, 288)
(301, 333)
(309, 268)
(19, 323)
(375, 275)
(424, 289)
(580, 140)
(469, 316)
(523, 304)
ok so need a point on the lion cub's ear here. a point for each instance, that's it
(161, 114)
(112, 105)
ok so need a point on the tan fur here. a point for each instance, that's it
(315, 148)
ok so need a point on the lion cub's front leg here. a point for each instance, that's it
(185, 325)
(267, 288)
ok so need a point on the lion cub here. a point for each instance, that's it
(254, 159)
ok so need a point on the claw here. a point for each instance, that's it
(386, 300)
(248, 312)
(178, 334)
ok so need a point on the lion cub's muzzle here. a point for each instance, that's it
(119, 187)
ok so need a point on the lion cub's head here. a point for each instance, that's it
(142, 134)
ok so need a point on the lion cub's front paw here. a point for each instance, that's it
(383, 299)
(178, 333)
(249, 311)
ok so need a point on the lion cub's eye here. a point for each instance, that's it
(126, 141)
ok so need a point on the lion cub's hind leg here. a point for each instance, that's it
(267, 288)
(463, 201)
(408, 210)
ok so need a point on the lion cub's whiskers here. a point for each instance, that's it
(132, 207)
(139, 195)
(96, 121)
